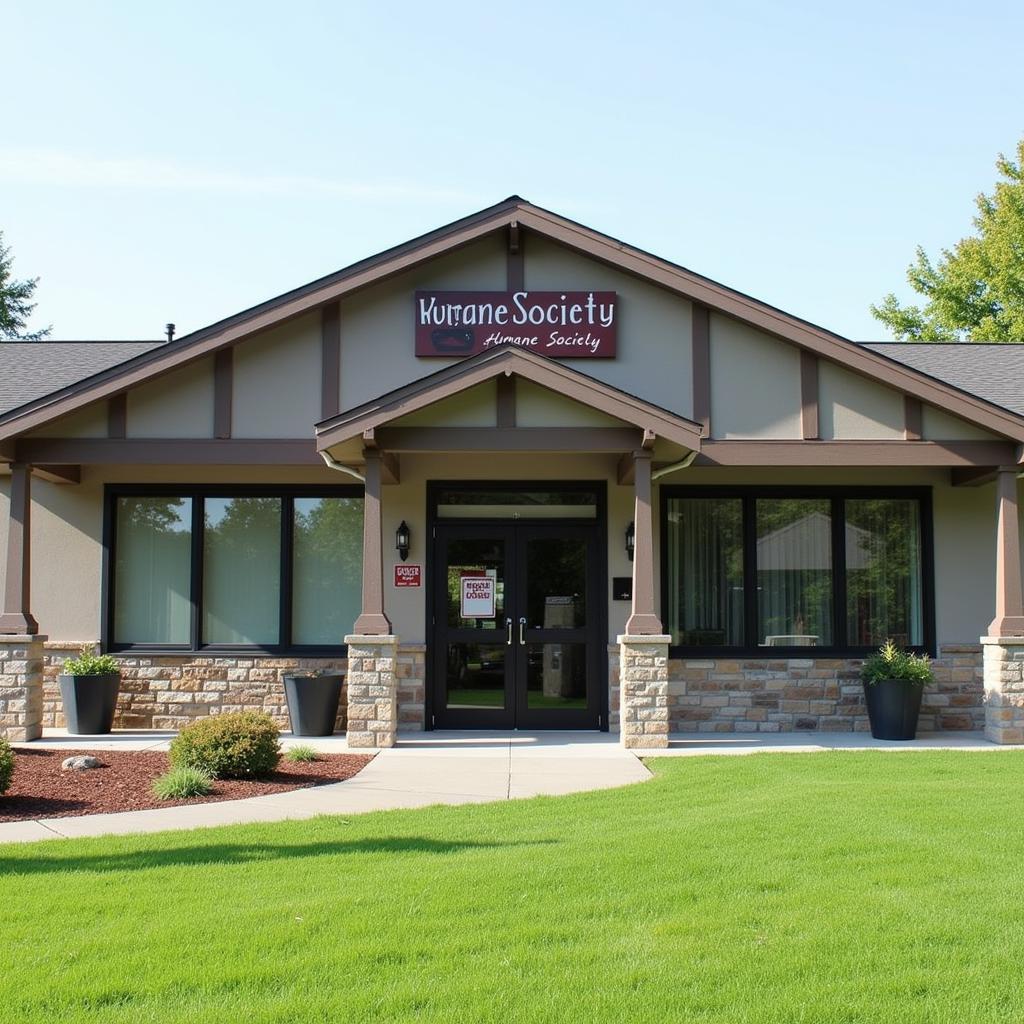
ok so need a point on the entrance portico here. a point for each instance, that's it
(535, 657)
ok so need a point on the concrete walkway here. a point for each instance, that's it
(424, 769)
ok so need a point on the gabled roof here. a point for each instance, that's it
(31, 370)
(992, 371)
(514, 211)
(497, 362)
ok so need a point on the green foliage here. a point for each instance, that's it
(182, 783)
(976, 292)
(239, 745)
(6, 765)
(16, 303)
(302, 754)
(890, 662)
(89, 663)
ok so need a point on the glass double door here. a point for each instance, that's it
(517, 627)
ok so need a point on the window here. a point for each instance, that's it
(840, 569)
(207, 568)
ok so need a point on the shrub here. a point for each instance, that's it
(6, 765)
(302, 754)
(181, 783)
(238, 745)
(89, 663)
(890, 662)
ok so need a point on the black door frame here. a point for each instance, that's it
(601, 592)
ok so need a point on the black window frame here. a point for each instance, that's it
(837, 495)
(198, 493)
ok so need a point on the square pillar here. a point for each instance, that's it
(1004, 688)
(15, 617)
(643, 617)
(1009, 620)
(21, 686)
(643, 688)
(372, 620)
(372, 684)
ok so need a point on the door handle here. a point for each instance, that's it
(522, 626)
(508, 635)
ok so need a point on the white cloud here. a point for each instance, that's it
(71, 170)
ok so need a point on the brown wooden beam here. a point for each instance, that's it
(59, 474)
(522, 439)
(59, 451)
(515, 267)
(643, 619)
(223, 388)
(809, 395)
(390, 468)
(505, 415)
(372, 620)
(330, 360)
(973, 477)
(15, 616)
(1009, 620)
(701, 342)
(117, 415)
(854, 453)
(913, 417)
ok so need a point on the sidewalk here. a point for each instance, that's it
(424, 769)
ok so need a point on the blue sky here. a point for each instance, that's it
(182, 162)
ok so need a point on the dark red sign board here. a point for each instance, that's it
(407, 575)
(562, 325)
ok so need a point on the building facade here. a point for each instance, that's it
(512, 474)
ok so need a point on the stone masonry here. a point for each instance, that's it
(372, 690)
(813, 694)
(644, 711)
(1004, 688)
(21, 690)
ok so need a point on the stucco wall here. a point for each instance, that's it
(88, 422)
(937, 425)
(755, 383)
(276, 390)
(472, 408)
(851, 407)
(179, 404)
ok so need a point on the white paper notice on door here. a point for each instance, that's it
(477, 597)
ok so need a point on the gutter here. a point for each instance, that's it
(333, 463)
(673, 467)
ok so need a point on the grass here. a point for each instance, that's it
(181, 783)
(302, 753)
(841, 887)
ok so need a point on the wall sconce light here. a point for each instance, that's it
(630, 540)
(402, 540)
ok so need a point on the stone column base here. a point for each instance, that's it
(643, 682)
(21, 686)
(1003, 658)
(372, 690)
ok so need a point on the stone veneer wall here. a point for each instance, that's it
(813, 694)
(169, 691)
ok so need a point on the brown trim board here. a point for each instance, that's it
(809, 411)
(491, 363)
(913, 417)
(582, 239)
(855, 453)
(505, 401)
(117, 415)
(330, 360)
(497, 439)
(223, 391)
(169, 452)
(701, 353)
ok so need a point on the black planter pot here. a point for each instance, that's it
(312, 703)
(893, 707)
(89, 702)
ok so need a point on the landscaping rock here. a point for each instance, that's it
(80, 763)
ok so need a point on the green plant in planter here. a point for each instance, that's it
(892, 662)
(89, 663)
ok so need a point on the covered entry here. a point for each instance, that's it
(517, 622)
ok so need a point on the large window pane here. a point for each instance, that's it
(327, 557)
(883, 571)
(794, 572)
(242, 571)
(705, 571)
(152, 571)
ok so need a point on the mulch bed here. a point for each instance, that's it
(124, 781)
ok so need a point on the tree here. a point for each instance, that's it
(976, 292)
(16, 303)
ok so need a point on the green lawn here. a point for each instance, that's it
(820, 887)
